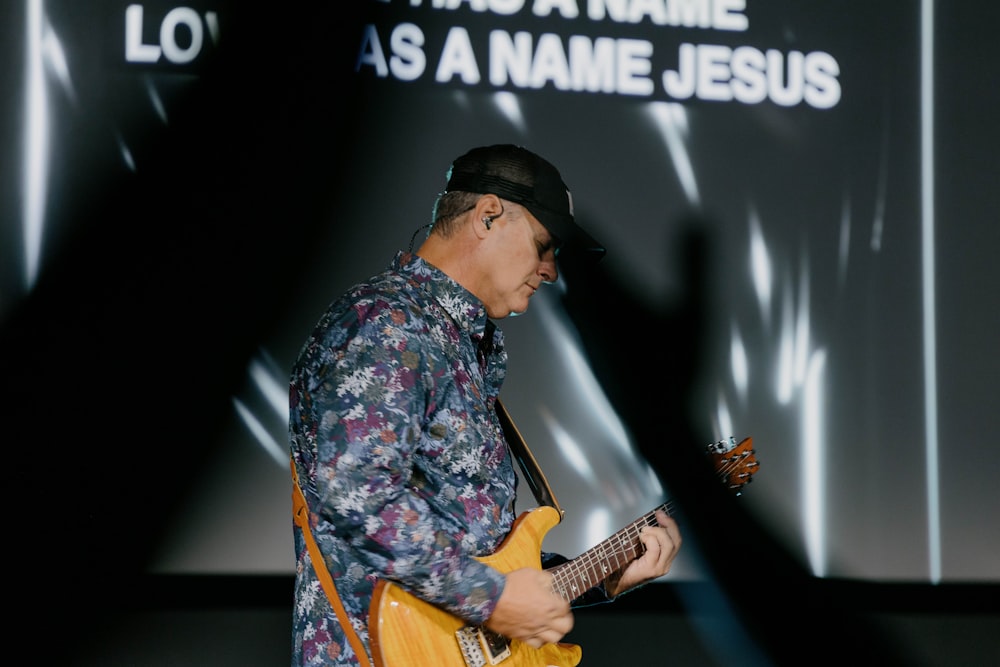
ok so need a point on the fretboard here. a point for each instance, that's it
(573, 578)
(735, 464)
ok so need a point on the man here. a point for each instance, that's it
(395, 442)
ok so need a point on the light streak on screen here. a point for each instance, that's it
(927, 189)
(36, 116)
(829, 329)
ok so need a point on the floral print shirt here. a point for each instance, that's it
(399, 453)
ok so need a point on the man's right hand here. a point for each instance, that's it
(529, 611)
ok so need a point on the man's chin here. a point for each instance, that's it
(511, 312)
(519, 311)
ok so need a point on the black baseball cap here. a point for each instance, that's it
(516, 174)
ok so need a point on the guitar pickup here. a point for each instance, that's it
(481, 646)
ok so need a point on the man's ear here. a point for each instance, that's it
(488, 207)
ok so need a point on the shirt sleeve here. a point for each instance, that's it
(370, 401)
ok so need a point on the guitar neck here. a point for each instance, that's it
(735, 464)
(573, 578)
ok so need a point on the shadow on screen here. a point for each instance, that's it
(648, 360)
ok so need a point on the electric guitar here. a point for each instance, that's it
(406, 631)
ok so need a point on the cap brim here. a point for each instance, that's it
(573, 239)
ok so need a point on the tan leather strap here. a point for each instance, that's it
(529, 466)
(300, 512)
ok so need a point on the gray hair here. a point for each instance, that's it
(449, 207)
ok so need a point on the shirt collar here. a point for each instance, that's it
(465, 308)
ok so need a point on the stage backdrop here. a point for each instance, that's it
(793, 198)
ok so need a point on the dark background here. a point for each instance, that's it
(198, 217)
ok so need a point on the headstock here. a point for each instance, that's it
(735, 462)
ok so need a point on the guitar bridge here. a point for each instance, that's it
(481, 646)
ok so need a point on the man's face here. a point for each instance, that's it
(523, 256)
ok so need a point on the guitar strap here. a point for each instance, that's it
(529, 466)
(300, 512)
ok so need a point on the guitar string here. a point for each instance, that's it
(586, 566)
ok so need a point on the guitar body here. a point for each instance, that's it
(406, 631)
